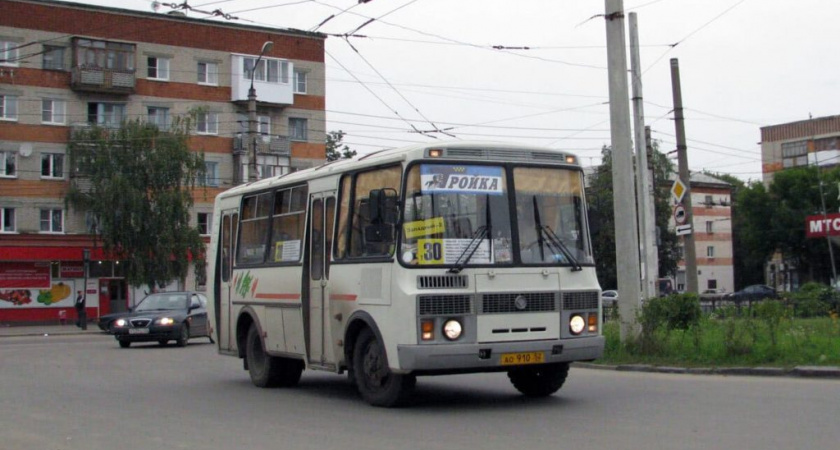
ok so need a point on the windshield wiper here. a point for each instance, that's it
(544, 233)
(477, 237)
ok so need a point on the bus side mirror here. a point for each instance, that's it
(376, 201)
(382, 206)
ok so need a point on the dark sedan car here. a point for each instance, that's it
(752, 293)
(164, 317)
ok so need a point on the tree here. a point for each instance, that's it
(602, 218)
(336, 149)
(138, 182)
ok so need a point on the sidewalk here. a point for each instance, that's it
(7, 330)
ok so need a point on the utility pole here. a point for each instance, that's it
(647, 219)
(252, 114)
(624, 202)
(651, 214)
(685, 177)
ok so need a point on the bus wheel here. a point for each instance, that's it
(375, 381)
(269, 371)
(539, 381)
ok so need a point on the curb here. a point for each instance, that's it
(796, 372)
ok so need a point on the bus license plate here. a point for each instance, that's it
(514, 359)
(138, 331)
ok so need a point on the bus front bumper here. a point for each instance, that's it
(488, 356)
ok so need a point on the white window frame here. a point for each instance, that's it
(710, 227)
(156, 117)
(211, 174)
(53, 111)
(304, 130)
(161, 68)
(207, 123)
(8, 107)
(710, 251)
(9, 54)
(107, 114)
(211, 73)
(49, 60)
(55, 163)
(5, 214)
(208, 223)
(269, 70)
(50, 223)
(300, 82)
(5, 156)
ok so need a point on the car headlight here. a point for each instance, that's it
(166, 321)
(120, 323)
(452, 329)
(577, 324)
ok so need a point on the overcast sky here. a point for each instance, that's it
(744, 64)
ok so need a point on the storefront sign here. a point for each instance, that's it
(25, 275)
(461, 179)
(822, 225)
(72, 269)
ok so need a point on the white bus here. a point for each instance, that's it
(425, 260)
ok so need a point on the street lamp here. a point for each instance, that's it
(86, 261)
(252, 113)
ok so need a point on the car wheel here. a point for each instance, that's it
(266, 370)
(162, 342)
(124, 343)
(184, 336)
(376, 383)
(539, 381)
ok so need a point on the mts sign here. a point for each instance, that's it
(822, 225)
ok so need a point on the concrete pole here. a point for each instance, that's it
(682, 154)
(647, 221)
(252, 131)
(624, 191)
(650, 213)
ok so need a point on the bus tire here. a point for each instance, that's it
(269, 371)
(539, 381)
(376, 383)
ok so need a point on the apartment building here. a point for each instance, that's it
(711, 201)
(66, 65)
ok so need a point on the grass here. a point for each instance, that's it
(731, 342)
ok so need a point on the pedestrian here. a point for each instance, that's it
(81, 315)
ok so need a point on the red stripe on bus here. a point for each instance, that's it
(343, 297)
(279, 296)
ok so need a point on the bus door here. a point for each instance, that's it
(224, 306)
(322, 218)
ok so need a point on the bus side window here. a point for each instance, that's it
(386, 181)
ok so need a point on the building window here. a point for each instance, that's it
(7, 220)
(108, 115)
(204, 223)
(8, 53)
(709, 225)
(53, 58)
(52, 165)
(297, 129)
(211, 174)
(300, 82)
(207, 123)
(7, 164)
(53, 111)
(711, 284)
(8, 107)
(208, 73)
(158, 68)
(159, 117)
(271, 166)
(269, 70)
(52, 221)
(794, 154)
(710, 251)
(709, 201)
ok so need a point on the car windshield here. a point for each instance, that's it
(156, 302)
(458, 215)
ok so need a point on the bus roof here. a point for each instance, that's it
(462, 150)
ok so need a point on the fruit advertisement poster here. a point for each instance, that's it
(60, 294)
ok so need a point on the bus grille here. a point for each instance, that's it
(506, 303)
(580, 300)
(439, 305)
(442, 281)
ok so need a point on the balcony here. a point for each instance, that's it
(266, 145)
(103, 67)
(272, 81)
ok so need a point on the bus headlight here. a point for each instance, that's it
(577, 324)
(452, 329)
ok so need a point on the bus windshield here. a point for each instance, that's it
(459, 215)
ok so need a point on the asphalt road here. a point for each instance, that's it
(84, 392)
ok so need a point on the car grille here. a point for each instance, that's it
(580, 300)
(438, 305)
(140, 323)
(506, 303)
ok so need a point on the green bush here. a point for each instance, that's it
(814, 300)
